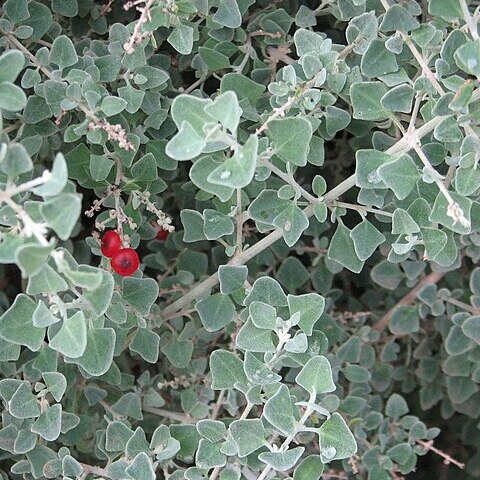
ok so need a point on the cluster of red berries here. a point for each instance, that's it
(124, 261)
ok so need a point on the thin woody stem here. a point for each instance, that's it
(401, 146)
(446, 458)
(409, 298)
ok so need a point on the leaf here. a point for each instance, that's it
(216, 224)
(404, 320)
(32, 257)
(457, 342)
(71, 339)
(228, 14)
(226, 110)
(342, 250)
(367, 164)
(67, 8)
(377, 61)
(245, 88)
(467, 58)
(253, 339)
(40, 19)
(366, 101)
(213, 59)
(263, 315)
(25, 441)
(132, 96)
(98, 355)
(192, 222)
(403, 223)
(336, 440)
(248, 435)
(307, 41)
(212, 430)
(12, 98)
(366, 238)
(23, 403)
(16, 10)
(440, 209)
(336, 120)
(460, 389)
(266, 290)
(140, 293)
(266, 206)
(397, 18)
(232, 278)
(99, 297)
(11, 64)
(48, 423)
(310, 306)
(186, 144)
(56, 384)
(226, 369)
(146, 344)
(446, 9)
(399, 98)
(396, 406)
(57, 180)
(141, 468)
(129, 405)
(116, 436)
(293, 222)
(401, 175)
(291, 138)
(63, 52)
(179, 353)
(278, 411)
(16, 324)
(238, 170)
(216, 311)
(100, 167)
(282, 461)
(471, 328)
(61, 213)
(434, 241)
(310, 468)
(181, 39)
(316, 376)
(258, 372)
(199, 173)
(208, 455)
(112, 105)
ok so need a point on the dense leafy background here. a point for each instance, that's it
(316, 307)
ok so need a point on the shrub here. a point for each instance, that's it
(300, 183)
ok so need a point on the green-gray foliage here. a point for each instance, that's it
(315, 309)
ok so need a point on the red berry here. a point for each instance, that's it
(125, 262)
(162, 234)
(111, 243)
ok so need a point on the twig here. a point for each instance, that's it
(361, 208)
(433, 278)
(447, 459)
(288, 179)
(239, 218)
(472, 27)
(402, 146)
(464, 306)
(176, 416)
(218, 405)
(138, 37)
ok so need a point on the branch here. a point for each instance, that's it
(447, 459)
(433, 278)
(401, 146)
